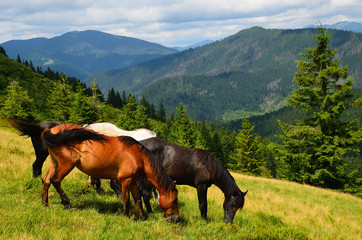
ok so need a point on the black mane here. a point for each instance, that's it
(162, 178)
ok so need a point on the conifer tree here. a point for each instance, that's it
(127, 119)
(18, 104)
(60, 99)
(313, 150)
(249, 158)
(182, 131)
(161, 113)
(81, 110)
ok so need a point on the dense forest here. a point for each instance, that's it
(31, 94)
(247, 73)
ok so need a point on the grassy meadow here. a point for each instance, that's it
(273, 209)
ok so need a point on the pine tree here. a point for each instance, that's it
(81, 110)
(249, 158)
(18, 59)
(127, 119)
(182, 131)
(60, 99)
(313, 150)
(18, 104)
(161, 113)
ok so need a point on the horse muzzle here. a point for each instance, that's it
(173, 218)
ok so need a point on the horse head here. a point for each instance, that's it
(233, 203)
(169, 205)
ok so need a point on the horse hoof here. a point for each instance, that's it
(67, 206)
(45, 204)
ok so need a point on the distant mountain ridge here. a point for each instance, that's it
(198, 44)
(82, 53)
(345, 25)
(247, 73)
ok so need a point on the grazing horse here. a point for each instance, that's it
(197, 168)
(33, 130)
(118, 158)
(110, 129)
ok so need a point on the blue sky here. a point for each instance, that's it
(167, 22)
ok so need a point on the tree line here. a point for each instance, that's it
(321, 149)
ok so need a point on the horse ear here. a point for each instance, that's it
(245, 193)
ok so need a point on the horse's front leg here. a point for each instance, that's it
(137, 200)
(116, 186)
(202, 196)
(125, 190)
(96, 183)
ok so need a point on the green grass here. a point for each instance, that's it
(273, 209)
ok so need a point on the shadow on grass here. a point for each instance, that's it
(108, 203)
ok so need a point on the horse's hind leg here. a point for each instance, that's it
(41, 153)
(56, 180)
(46, 184)
(57, 171)
(202, 196)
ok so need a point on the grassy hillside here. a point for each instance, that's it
(273, 209)
(253, 69)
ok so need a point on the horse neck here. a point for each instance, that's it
(223, 180)
(156, 174)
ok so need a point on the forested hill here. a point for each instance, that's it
(250, 71)
(83, 53)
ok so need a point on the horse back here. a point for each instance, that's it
(181, 164)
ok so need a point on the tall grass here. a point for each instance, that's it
(273, 209)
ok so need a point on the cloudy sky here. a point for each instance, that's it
(168, 22)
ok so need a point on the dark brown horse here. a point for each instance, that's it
(197, 168)
(118, 158)
(34, 130)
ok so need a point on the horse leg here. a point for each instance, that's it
(46, 184)
(146, 200)
(137, 200)
(145, 189)
(116, 186)
(97, 183)
(61, 171)
(125, 191)
(41, 153)
(202, 196)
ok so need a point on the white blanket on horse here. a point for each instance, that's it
(110, 129)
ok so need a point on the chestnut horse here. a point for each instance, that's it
(198, 169)
(118, 158)
(33, 130)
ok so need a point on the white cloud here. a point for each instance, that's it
(169, 22)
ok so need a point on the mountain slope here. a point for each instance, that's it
(81, 54)
(250, 71)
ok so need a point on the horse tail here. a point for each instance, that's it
(25, 128)
(67, 136)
